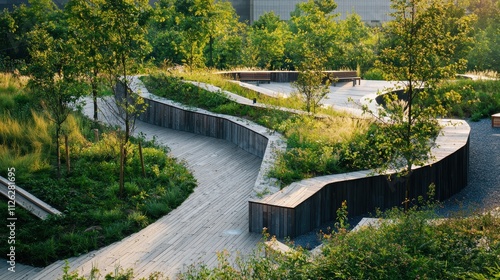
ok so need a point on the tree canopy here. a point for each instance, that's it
(423, 39)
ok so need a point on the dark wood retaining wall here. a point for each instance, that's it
(306, 205)
(164, 115)
(286, 76)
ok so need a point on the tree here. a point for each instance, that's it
(267, 39)
(356, 50)
(125, 22)
(315, 31)
(196, 33)
(311, 47)
(16, 25)
(422, 40)
(225, 34)
(312, 84)
(485, 54)
(54, 78)
(89, 39)
(163, 34)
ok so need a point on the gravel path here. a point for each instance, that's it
(483, 191)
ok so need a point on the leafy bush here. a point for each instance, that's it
(374, 74)
(409, 245)
(476, 99)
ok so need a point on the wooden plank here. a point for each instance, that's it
(495, 120)
(193, 231)
(26, 200)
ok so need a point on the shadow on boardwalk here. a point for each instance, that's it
(214, 218)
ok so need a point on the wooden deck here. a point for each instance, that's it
(214, 218)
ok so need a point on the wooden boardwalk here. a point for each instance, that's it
(214, 218)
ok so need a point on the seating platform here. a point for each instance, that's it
(495, 120)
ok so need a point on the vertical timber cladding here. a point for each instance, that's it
(363, 194)
(172, 117)
(277, 221)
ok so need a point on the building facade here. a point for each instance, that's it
(373, 12)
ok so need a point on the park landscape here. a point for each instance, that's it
(74, 134)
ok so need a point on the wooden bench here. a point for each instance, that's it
(26, 200)
(255, 77)
(336, 76)
(495, 120)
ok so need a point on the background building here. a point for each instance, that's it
(373, 12)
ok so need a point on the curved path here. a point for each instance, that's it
(214, 218)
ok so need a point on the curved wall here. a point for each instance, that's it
(305, 205)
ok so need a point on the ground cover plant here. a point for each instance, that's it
(476, 99)
(95, 214)
(405, 245)
(317, 144)
(221, 80)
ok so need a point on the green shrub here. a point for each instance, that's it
(138, 218)
(374, 74)
(117, 230)
(477, 99)
(78, 243)
(41, 252)
(156, 209)
(405, 245)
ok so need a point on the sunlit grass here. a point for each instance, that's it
(11, 83)
(212, 77)
(487, 74)
(224, 83)
(327, 130)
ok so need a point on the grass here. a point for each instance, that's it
(316, 145)
(95, 214)
(292, 102)
(223, 83)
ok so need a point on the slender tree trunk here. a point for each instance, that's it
(407, 190)
(122, 170)
(94, 99)
(58, 150)
(94, 92)
(123, 153)
(142, 160)
(211, 42)
(66, 145)
(96, 135)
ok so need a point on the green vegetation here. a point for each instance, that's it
(219, 80)
(410, 245)
(413, 53)
(473, 99)
(207, 34)
(95, 214)
(64, 49)
(404, 246)
(324, 145)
